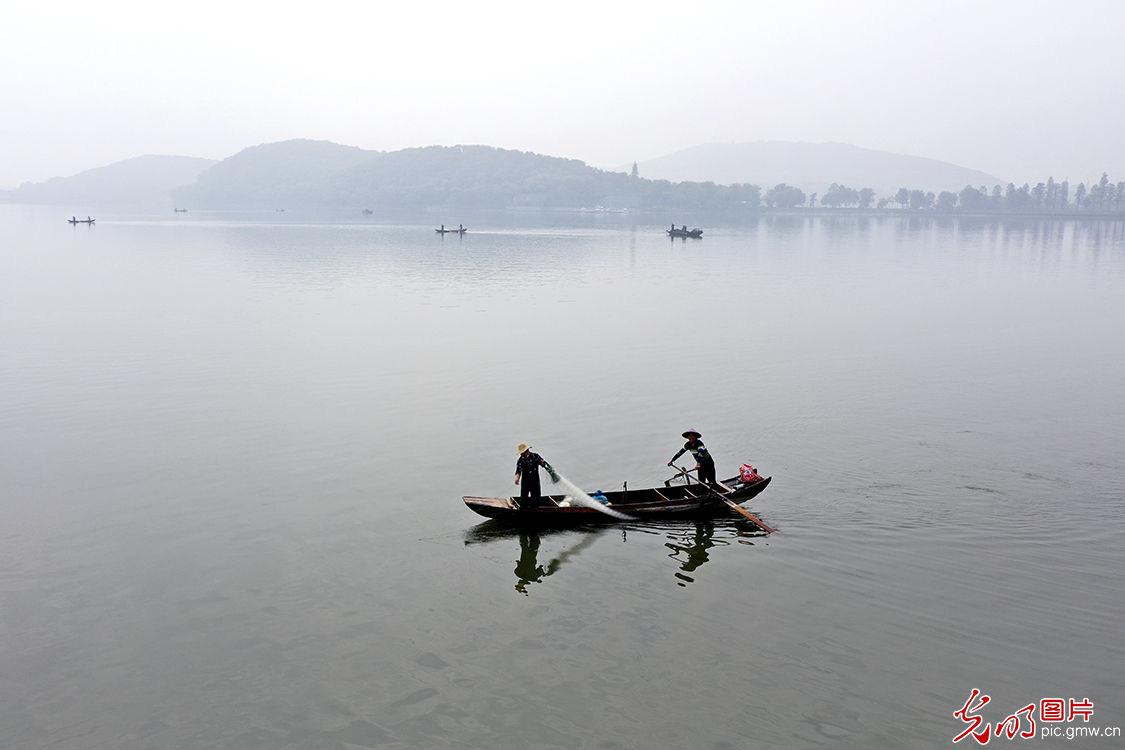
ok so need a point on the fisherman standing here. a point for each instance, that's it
(704, 464)
(527, 475)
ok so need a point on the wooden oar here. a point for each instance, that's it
(757, 521)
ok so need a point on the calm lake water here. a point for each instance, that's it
(233, 449)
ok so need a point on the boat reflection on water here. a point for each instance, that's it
(691, 548)
(528, 570)
(691, 543)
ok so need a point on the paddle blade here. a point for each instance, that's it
(757, 521)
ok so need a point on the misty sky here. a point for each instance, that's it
(1019, 89)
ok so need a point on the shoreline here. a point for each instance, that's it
(658, 216)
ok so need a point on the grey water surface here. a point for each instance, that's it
(233, 449)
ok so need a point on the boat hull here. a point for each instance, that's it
(678, 501)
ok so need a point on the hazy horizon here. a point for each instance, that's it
(1023, 90)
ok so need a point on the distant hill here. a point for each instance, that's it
(273, 175)
(143, 180)
(812, 167)
(319, 173)
(480, 176)
(324, 174)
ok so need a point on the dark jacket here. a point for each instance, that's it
(698, 451)
(527, 465)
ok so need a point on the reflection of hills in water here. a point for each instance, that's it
(691, 543)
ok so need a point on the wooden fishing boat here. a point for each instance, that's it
(458, 230)
(670, 501)
(685, 232)
(73, 220)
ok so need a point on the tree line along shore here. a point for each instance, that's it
(321, 174)
(1103, 197)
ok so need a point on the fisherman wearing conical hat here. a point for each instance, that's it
(527, 475)
(704, 464)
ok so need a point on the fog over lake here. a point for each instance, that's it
(1020, 90)
(234, 446)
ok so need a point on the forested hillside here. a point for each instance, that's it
(326, 174)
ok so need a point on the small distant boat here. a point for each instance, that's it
(368, 211)
(683, 231)
(74, 220)
(459, 230)
(180, 210)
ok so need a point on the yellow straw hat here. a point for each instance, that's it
(522, 447)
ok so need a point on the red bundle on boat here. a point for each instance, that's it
(747, 473)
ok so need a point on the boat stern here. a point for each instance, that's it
(490, 507)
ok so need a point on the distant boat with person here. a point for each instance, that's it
(459, 230)
(683, 231)
(75, 220)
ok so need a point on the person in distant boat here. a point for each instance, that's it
(527, 476)
(704, 464)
